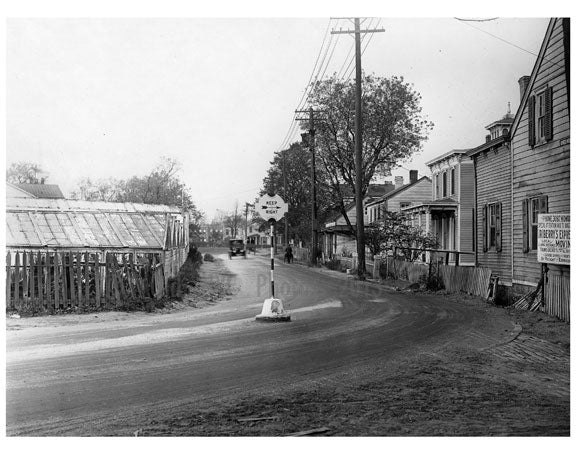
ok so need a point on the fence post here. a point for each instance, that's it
(8, 277)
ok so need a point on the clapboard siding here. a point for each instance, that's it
(493, 179)
(466, 206)
(544, 169)
(419, 192)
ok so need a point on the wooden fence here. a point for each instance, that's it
(557, 296)
(466, 279)
(401, 269)
(37, 281)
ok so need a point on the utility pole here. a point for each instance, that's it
(246, 204)
(310, 138)
(360, 243)
(285, 197)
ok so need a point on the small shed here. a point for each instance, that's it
(63, 253)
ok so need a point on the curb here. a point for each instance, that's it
(515, 333)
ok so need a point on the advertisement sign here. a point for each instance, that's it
(554, 239)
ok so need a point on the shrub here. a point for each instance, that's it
(208, 257)
(334, 264)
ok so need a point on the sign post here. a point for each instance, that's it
(272, 208)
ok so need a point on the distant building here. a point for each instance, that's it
(449, 214)
(40, 191)
(403, 196)
(338, 237)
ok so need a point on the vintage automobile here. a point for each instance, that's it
(236, 247)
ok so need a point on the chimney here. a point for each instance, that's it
(523, 82)
(398, 182)
(413, 176)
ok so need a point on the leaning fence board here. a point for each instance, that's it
(87, 279)
(78, 273)
(97, 279)
(70, 271)
(8, 278)
(17, 279)
(31, 264)
(56, 281)
(24, 276)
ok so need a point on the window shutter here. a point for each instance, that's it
(543, 204)
(485, 228)
(548, 114)
(499, 227)
(525, 204)
(531, 121)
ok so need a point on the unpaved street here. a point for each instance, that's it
(357, 359)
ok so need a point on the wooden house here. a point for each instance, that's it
(68, 253)
(540, 169)
(337, 237)
(493, 234)
(403, 196)
(450, 212)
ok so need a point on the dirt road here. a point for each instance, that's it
(357, 359)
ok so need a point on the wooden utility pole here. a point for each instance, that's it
(312, 144)
(285, 197)
(360, 243)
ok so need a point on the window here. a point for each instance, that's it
(540, 117)
(444, 185)
(404, 204)
(531, 208)
(453, 181)
(437, 185)
(492, 222)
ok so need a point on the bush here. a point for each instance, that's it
(208, 257)
(334, 264)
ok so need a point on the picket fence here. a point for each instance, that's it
(37, 280)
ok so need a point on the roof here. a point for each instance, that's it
(434, 204)
(507, 119)
(13, 190)
(43, 191)
(335, 215)
(447, 155)
(488, 145)
(535, 70)
(373, 191)
(59, 223)
(391, 194)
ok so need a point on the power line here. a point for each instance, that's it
(476, 20)
(363, 37)
(290, 131)
(508, 42)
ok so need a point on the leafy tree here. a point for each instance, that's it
(393, 130)
(394, 231)
(294, 163)
(25, 172)
(106, 190)
(161, 186)
(234, 221)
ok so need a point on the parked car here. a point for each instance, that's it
(236, 247)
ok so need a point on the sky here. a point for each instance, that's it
(108, 97)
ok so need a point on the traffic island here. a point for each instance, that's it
(273, 311)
